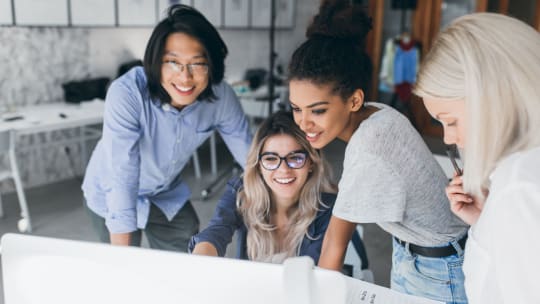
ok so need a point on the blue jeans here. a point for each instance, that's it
(438, 279)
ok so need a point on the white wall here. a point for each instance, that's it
(34, 62)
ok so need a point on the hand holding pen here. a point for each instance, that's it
(465, 206)
(451, 152)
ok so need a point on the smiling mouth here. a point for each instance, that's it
(312, 136)
(184, 90)
(285, 181)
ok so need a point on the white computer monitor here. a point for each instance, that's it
(55, 271)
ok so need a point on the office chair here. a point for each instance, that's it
(7, 147)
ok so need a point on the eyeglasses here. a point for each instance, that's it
(294, 160)
(195, 69)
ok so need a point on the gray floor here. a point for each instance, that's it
(57, 211)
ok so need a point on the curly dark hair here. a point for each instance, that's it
(184, 19)
(334, 51)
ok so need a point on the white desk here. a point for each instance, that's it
(61, 115)
(58, 116)
(47, 117)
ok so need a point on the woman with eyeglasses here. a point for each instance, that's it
(155, 118)
(281, 206)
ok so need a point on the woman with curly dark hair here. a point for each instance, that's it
(390, 177)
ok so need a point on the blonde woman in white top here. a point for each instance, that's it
(480, 80)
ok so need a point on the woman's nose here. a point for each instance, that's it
(305, 122)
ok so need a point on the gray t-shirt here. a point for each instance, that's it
(391, 178)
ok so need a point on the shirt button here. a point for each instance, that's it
(174, 161)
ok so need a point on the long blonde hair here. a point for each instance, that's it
(493, 63)
(254, 200)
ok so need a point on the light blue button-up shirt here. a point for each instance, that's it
(146, 144)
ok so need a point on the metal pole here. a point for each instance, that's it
(272, 58)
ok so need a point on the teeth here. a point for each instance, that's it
(311, 134)
(183, 89)
(285, 180)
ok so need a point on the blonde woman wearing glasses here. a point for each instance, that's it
(155, 118)
(480, 80)
(281, 207)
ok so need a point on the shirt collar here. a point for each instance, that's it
(169, 108)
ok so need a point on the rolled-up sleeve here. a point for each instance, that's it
(224, 223)
(233, 125)
(121, 133)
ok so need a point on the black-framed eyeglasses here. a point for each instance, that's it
(294, 160)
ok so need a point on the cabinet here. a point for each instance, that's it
(41, 13)
(6, 17)
(92, 13)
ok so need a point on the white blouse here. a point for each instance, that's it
(502, 256)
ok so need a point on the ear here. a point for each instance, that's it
(357, 100)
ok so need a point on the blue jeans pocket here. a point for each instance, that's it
(439, 279)
(433, 270)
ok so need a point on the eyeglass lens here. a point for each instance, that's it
(193, 68)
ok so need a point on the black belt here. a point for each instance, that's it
(433, 252)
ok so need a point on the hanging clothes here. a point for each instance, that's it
(399, 66)
(386, 74)
(406, 62)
